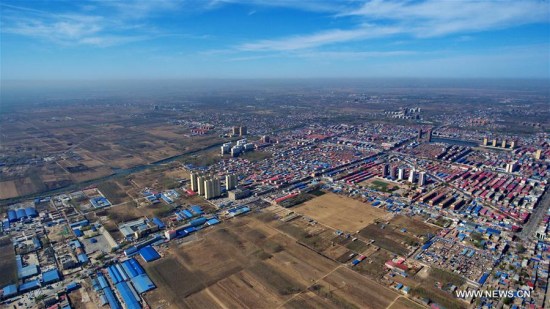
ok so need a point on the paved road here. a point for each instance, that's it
(531, 226)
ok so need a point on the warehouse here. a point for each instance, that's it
(142, 283)
(9, 291)
(149, 254)
(50, 276)
(130, 299)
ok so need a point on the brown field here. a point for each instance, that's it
(85, 144)
(413, 225)
(391, 237)
(8, 268)
(8, 189)
(248, 263)
(405, 303)
(340, 212)
(350, 287)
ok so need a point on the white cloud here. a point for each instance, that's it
(318, 39)
(422, 19)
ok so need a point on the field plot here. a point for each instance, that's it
(414, 226)
(348, 289)
(8, 189)
(248, 263)
(340, 212)
(399, 234)
(8, 268)
(389, 238)
(405, 303)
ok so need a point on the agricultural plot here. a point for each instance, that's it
(400, 234)
(340, 212)
(249, 263)
(387, 237)
(8, 268)
(348, 289)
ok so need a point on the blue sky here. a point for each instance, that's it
(149, 39)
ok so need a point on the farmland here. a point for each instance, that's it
(8, 268)
(340, 212)
(399, 235)
(250, 263)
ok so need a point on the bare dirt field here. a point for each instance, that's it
(405, 303)
(8, 268)
(340, 212)
(8, 189)
(248, 263)
(400, 234)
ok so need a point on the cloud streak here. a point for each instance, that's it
(103, 24)
(425, 19)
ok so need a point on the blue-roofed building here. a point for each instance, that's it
(158, 223)
(37, 244)
(111, 299)
(213, 221)
(196, 209)
(100, 202)
(9, 290)
(114, 274)
(128, 297)
(5, 224)
(31, 212)
(75, 244)
(51, 276)
(102, 281)
(187, 213)
(80, 223)
(28, 286)
(128, 269)
(83, 258)
(143, 283)
(12, 216)
(132, 268)
(20, 213)
(149, 254)
(28, 271)
(71, 287)
(483, 278)
(78, 233)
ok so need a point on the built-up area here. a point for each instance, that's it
(476, 209)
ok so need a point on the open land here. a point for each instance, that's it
(340, 212)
